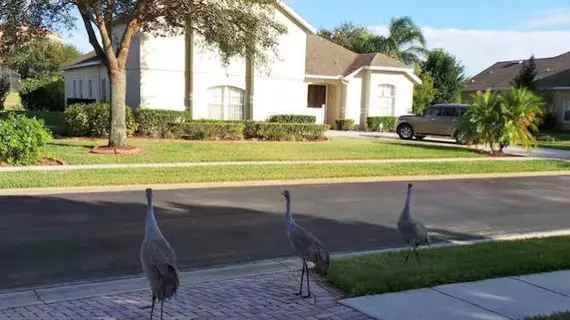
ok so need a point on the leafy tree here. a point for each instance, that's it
(39, 57)
(405, 41)
(527, 74)
(424, 93)
(448, 75)
(502, 119)
(228, 25)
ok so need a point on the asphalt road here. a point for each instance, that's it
(60, 238)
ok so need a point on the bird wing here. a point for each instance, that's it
(160, 254)
(308, 246)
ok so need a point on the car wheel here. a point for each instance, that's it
(420, 137)
(460, 138)
(405, 131)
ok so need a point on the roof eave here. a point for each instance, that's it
(80, 65)
(308, 27)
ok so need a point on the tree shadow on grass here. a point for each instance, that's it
(50, 239)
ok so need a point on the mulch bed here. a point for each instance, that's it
(115, 150)
(51, 162)
(498, 154)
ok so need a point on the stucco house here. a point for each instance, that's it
(553, 75)
(313, 77)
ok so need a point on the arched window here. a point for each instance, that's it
(386, 98)
(226, 103)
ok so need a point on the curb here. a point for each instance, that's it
(79, 290)
(261, 183)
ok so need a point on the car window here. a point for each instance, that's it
(450, 112)
(433, 111)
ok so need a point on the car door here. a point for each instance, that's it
(446, 122)
(425, 124)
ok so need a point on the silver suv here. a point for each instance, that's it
(437, 120)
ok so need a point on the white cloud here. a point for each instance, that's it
(549, 18)
(478, 49)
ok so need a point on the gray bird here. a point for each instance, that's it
(413, 231)
(158, 259)
(305, 245)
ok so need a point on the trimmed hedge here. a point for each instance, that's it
(249, 132)
(292, 118)
(155, 122)
(202, 130)
(291, 131)
(45, 93)
(92, 120)
(344, 124)
(387, 123)
(71, 101)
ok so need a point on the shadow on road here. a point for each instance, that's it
(49, 239)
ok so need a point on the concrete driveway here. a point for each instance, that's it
(443, 141)
(49, 239)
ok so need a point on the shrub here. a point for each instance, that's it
(203, 130)
(22, 139)
(292, 118)
(373, 123)
(249, 132)
(344, 124)
(45, 94)
(53, 120)
(71, 101)
(92, 120)
(291, 131)
(155, 123)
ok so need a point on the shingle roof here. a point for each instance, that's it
(551, 72)
(88, 57)
(325, 58)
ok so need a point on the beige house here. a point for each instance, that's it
(312, 76)
(553, 75)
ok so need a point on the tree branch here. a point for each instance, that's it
(91, 34)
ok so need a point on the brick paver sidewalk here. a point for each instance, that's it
(265, 296)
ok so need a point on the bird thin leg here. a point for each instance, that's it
(408, 255)
(308, 286)
(301, 286)
(161, 303)
(417, 255)
(152, 307)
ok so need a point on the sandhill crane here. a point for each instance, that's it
(158, 259)
(305, 245)
(413, 231)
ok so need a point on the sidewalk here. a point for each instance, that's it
(496, 299)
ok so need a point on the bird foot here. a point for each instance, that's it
(298, 293)
(307, 296)
(146, 307)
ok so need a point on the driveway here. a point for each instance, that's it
(59, 238)
(442, 141)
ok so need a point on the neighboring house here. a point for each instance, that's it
(313, 77)
(553, 75)
(47, 33)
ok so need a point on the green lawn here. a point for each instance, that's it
(30, 179)
(556, 316)
(387, 272)
(558, 140)
(75, 151)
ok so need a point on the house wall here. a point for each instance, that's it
(559, 97)
(93, 73)
(404, 92)
(353, 104)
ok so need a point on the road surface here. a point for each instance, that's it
(61, 238)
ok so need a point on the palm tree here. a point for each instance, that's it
(405, 42)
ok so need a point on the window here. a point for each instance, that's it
(103, 90)
(90, 88)
(566, 111)
(385, 100)
(316, 96)
(226, 103)
(74, 89)
(433, 111)
(80, 88)
(450, 112)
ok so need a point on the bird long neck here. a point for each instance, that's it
(151, 227)
(288, 215)
(406, 212)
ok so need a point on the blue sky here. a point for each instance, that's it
(479, 32)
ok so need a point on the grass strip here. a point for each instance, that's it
(71, 178)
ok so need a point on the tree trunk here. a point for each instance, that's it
(118, 129)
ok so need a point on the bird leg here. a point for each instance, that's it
(152, 306)
(301, 286)
(161, 304)
(408, 255)
(308, 286)
(417, 255)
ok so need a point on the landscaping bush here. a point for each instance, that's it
(43, 94)
(292, 118)
(249, 132)
(92, 120)
(22, 139)
(203, 130)
(71, 101)
(344, 124)
(53, 120)
(291, 131)
(155, 123)
(372, 123)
